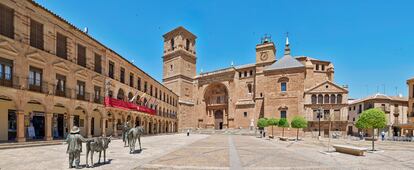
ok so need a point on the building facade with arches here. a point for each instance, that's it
(237, 96)
(54, 76)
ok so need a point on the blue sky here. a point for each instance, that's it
(369, 42)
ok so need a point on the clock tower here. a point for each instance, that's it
(265, 51)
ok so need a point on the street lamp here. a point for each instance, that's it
(319, 116)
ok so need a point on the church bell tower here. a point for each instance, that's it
(179, 60)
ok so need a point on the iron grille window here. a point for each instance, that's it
(98, 63)
(6, 21)
(36, 34)
(283, 114)
(61, 49)
(81, 55)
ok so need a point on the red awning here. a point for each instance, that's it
(112, 102)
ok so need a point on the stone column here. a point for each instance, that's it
(115, 127)
(20, 126)
(89, 126)
(48, 126)
(71, 117)
(225, 119)
(103, 126)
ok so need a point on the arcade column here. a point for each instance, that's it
(20, 126)
(104, 126)
(48, 126)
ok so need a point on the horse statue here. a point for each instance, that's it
(97, 144)
(125, 130)
(133, 135)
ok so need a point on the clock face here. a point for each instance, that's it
(263, 56)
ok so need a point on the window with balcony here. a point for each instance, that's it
(81, 55)
(145, 87)
(61, 49)
(122, 75)
(60, 85)
(131, 80)
(111, 69)
(36, 34)
(80, 90)
(97, 94)
(339, 99)
(98, 63)
(35, 79)
(6, 72)
(6, 21)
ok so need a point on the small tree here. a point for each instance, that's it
(272, 122)
(299, 122)
(372, 119)
(262, 123)
(283, 123)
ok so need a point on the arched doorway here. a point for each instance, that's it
(59, 122)
(96, 127)
(216, 101)
(218, 119)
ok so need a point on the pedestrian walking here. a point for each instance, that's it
(383, 135)
(188, 132)
(74, 141)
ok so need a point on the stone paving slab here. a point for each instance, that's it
(55, 157)
(221, 152)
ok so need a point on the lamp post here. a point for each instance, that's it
(319, 122)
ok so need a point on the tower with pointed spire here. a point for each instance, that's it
(287, 48)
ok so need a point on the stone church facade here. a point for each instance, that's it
(237, 96)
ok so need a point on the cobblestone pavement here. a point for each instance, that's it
(221, 152)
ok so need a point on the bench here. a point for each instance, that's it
(353, 150)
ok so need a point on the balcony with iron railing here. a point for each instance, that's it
(10, 81)
(37, 85)
(63, 92)
(217, 101)
(98, 99)
(85, 96)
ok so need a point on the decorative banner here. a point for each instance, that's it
(112, 102)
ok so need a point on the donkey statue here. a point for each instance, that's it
(125, 128)
(97, 144)
(133, 135)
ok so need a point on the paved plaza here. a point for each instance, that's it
(219, 152)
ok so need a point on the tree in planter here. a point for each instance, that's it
(297, 123)
(262, 123)
(272, 122)
(372, 119)
(283, 123)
